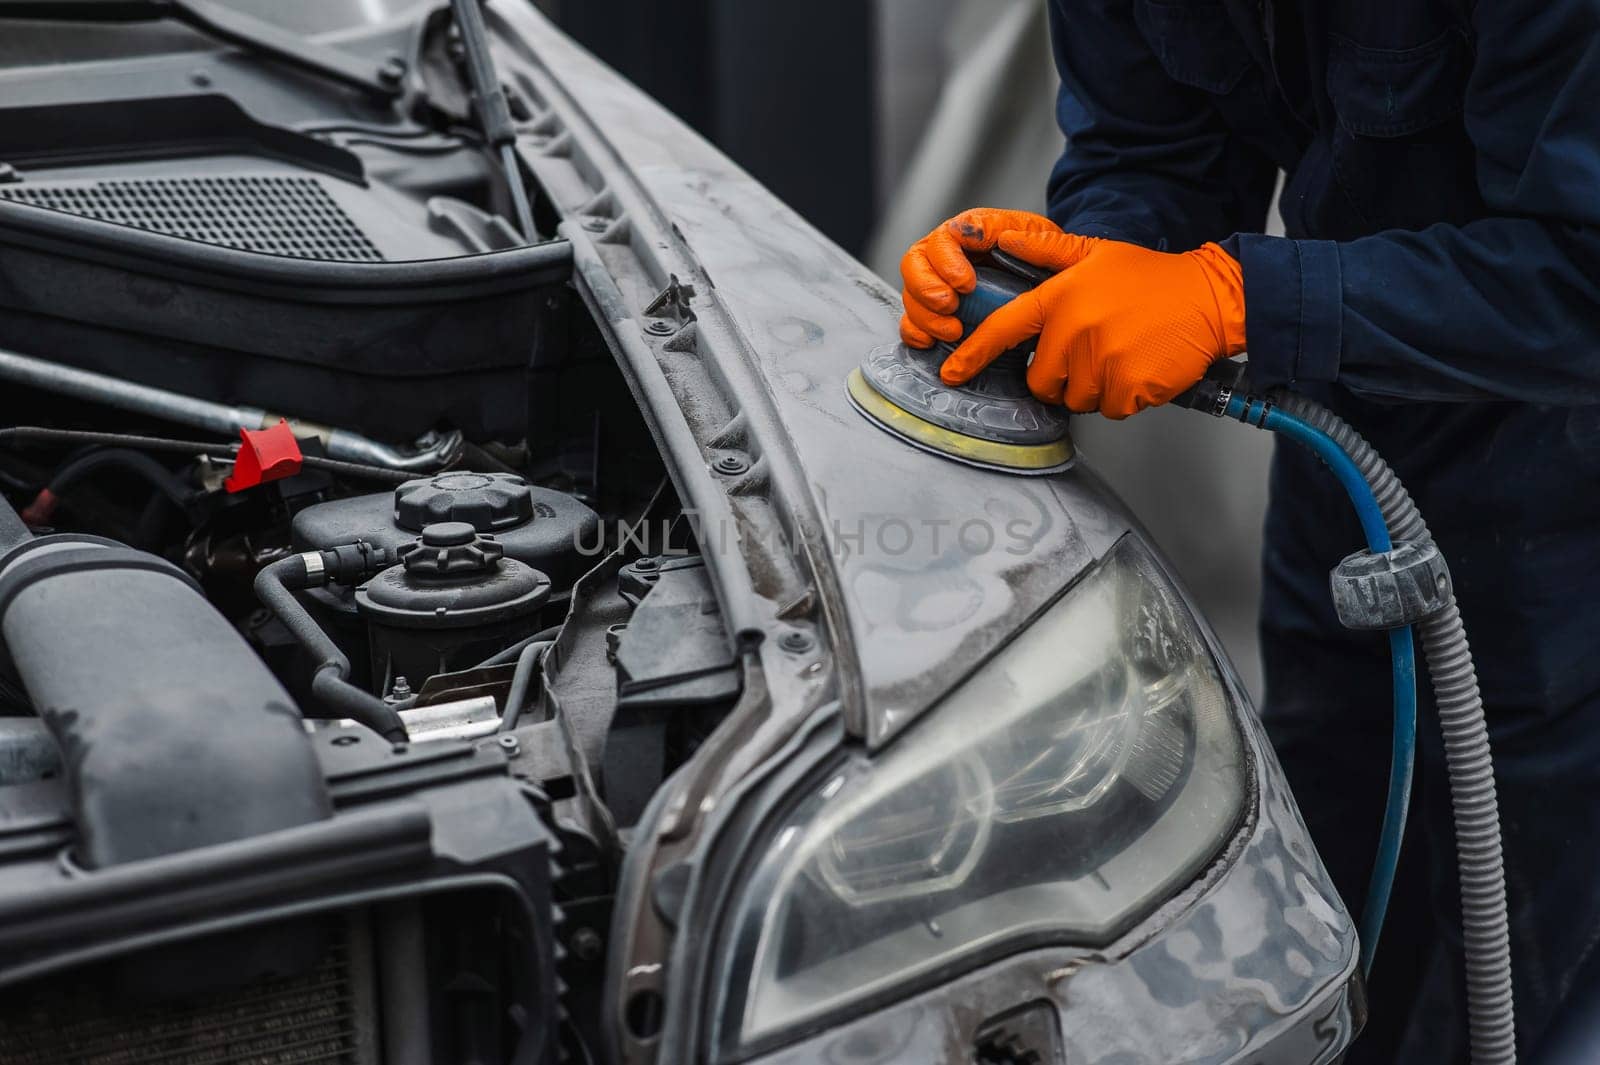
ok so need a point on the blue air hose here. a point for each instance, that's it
(1485, 928)
(1402, 654)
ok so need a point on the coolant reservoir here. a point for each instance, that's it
(453, 598)
(551, 531)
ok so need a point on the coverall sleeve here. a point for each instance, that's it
(1147, 159)
(1506, 306)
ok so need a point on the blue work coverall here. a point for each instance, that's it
(1439, 287)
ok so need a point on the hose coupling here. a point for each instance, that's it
(345, 564)
(1211, 394)
(1388, 589)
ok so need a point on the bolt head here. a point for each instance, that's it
(509, 744)
(730, 465)
(795, 642)
(595, 225)
(660, 327)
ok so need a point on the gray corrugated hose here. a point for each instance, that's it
(1485, 928)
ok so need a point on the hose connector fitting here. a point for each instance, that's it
(346, 564)
(1211, 394)
(1388, 589)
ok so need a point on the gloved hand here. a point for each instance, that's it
(1120, 327)
(936, 267)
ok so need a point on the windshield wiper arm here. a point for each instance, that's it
(384, 81)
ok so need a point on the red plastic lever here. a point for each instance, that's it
(269, 454)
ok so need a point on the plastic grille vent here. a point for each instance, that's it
(307, 1020)
(292, 216)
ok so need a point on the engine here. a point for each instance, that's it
(330, 768)
(347, 617)
(190, 865)
(319, 773)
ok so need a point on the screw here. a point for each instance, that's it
(586, 944)
(596, 225)
(509, 745)
(660, 327)
(731, 465)
(795, 642)
(345, 741)
(647, 562)
(401, 689)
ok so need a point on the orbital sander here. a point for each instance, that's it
(992, 421)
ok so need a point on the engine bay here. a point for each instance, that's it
(323, 742)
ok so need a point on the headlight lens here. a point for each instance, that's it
(1068, 787)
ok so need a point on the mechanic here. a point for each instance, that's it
(1439, 287)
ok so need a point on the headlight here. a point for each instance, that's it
(1059, 794)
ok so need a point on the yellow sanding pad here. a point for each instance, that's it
(1008, 458)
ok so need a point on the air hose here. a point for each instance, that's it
(1389, 518)
(1485, 928)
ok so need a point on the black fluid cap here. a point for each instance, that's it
(452, 577)
(450, 549)
(486, 501)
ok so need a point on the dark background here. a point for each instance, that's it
(785, 88)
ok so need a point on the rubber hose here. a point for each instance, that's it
(1402, 770)
(509, 654)
(135, 462)
(193, 447)
(1402, 653)
(527, 662)
(330, 680)
(1486, 931)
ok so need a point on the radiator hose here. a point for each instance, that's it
(275, 586)
(1480, 863)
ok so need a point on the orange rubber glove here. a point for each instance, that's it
(1120, 327)
(936, 268)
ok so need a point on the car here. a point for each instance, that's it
(452, 612)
